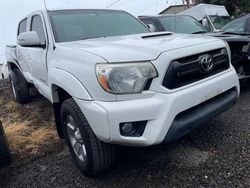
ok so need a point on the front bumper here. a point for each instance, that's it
(162, 111)
(192, 118)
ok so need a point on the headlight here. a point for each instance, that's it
(126, 77)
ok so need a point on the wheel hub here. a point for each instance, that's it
(75, 138)
(13, 89)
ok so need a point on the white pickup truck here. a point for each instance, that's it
(113, 82)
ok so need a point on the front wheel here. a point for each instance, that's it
(90, 154)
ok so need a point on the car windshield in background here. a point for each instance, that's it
(181, 24)
(73, 25)
(219, 21)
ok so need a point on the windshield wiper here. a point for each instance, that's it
(198, 32)
(236, 33)
(86, 38)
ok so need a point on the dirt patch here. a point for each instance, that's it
(30, 128)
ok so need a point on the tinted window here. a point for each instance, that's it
(22, 26)
(84, 24)
(236, 26)
(219, 21)
(247, 26)
(151, 22)
(181, 24)
(37, 25)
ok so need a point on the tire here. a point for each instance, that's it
(96, 156)
(19, 87)
(5, 156)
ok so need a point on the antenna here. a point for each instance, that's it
(111, 3)
(45, 5)
(157, 5)
(175, 18)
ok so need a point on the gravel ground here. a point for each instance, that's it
(216, 155)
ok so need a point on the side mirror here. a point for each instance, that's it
(204, 22)
(151, 27)
(29, 39)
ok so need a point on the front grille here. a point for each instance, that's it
(188, 70)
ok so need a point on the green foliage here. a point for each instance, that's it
(234, 7)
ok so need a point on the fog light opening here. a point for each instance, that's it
(127, 129)
(132, 129)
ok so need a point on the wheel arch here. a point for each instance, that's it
(59, 78)
(64, 85)
(59, 95)
(13, 65)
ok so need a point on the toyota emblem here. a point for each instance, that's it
(207, 63)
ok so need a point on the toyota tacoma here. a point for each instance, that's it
(113, 82)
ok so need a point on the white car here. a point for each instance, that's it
(4, 71)
(113, 82)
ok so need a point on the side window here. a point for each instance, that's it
(151, 23)
(22, 26)
(236, 26)
(37, 26)
(247, 26)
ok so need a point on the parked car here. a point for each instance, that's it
(240, 25)
(113, 82)
(5, 156)
(212, 17)
(239, 43)
(174, 23)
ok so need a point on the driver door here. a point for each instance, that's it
(38, 55)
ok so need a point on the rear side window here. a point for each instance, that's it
(22, 26)
(37, 26)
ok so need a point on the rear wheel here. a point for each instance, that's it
(4, 149)
(19, 87)
(90, 154)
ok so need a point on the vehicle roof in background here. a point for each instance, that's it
(163, 15)
(166, 15)
(201, 10)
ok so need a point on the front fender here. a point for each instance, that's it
(68, 82)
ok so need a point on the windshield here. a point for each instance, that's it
(181, 24)
(73, 25)
(219, 21)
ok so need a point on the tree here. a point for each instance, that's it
(234, 7)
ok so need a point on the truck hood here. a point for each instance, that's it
(142, 47)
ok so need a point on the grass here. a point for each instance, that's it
(12, 106)
(30, 128)
(23, 139)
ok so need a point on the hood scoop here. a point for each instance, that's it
(157, 35)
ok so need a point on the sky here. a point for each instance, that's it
(12, 11)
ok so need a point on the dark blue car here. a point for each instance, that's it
(239, 25)
(5, 157)
(235, 33)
